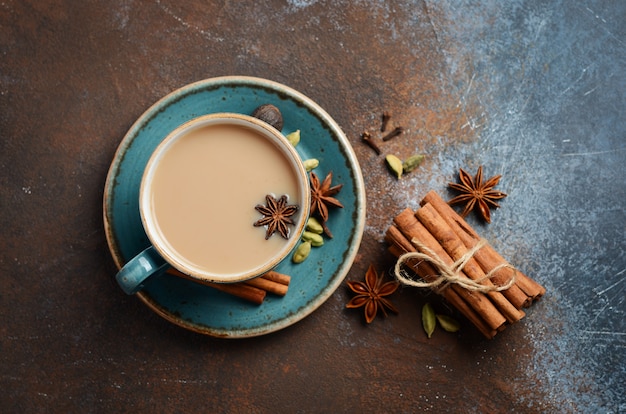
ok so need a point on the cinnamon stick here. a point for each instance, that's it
(440, 229)
(525, 290)
(469, 237)
(240, 290)
(453, 245)
(277, 277)
(268, 285)
(399, 245)
(408, 224)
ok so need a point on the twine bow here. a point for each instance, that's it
(449, 274)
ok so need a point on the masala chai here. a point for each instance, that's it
(199, 194)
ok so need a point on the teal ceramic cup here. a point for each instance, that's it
(224, 198)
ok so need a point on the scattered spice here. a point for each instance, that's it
(322, 195)
(399, 167)
(327, 230)
(310, 164)
(448, 323)
(321, 199)
(393, 133)
(276, 216)
(315, 239)
(386, 117)
(476, 193)
(429, 320)
(294, 137)
(270, 114)
(412, 163)
(371, 294)
(302, 252)
(314, 226)
(367, 138)
(395, 165)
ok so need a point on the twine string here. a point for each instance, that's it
(449, 274)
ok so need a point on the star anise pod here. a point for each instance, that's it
(322, 195)
(276, 216)
(476, 193)
(371, 294)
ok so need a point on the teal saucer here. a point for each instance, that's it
(203, 309)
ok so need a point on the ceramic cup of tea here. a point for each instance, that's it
(224, 198)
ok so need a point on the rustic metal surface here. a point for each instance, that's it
(534, 91)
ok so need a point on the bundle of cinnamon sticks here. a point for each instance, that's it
(435, 228)
(253, 290)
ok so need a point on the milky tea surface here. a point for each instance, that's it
(204, 191)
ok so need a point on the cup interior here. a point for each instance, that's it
(200, 189)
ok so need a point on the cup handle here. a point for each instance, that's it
(135, 274)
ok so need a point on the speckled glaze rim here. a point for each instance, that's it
(349, 157)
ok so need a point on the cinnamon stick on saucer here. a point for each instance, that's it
(253, 290)
(272, 282)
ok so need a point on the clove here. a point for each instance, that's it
(367, 138)
(386, 118)
(394, 133)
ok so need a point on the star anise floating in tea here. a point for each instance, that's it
(276, 216)
(372, 293)
(322, 197)
(476, 193)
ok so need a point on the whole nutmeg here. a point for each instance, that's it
(270, 114)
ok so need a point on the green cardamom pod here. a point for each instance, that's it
(448, 324)
(428, 319)
(302, 252)
(316, 240)
(294, 137)
(310, 164)
(412, 163)
(395, 165)
(314, 226)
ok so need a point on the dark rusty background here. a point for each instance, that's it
(532, 90)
